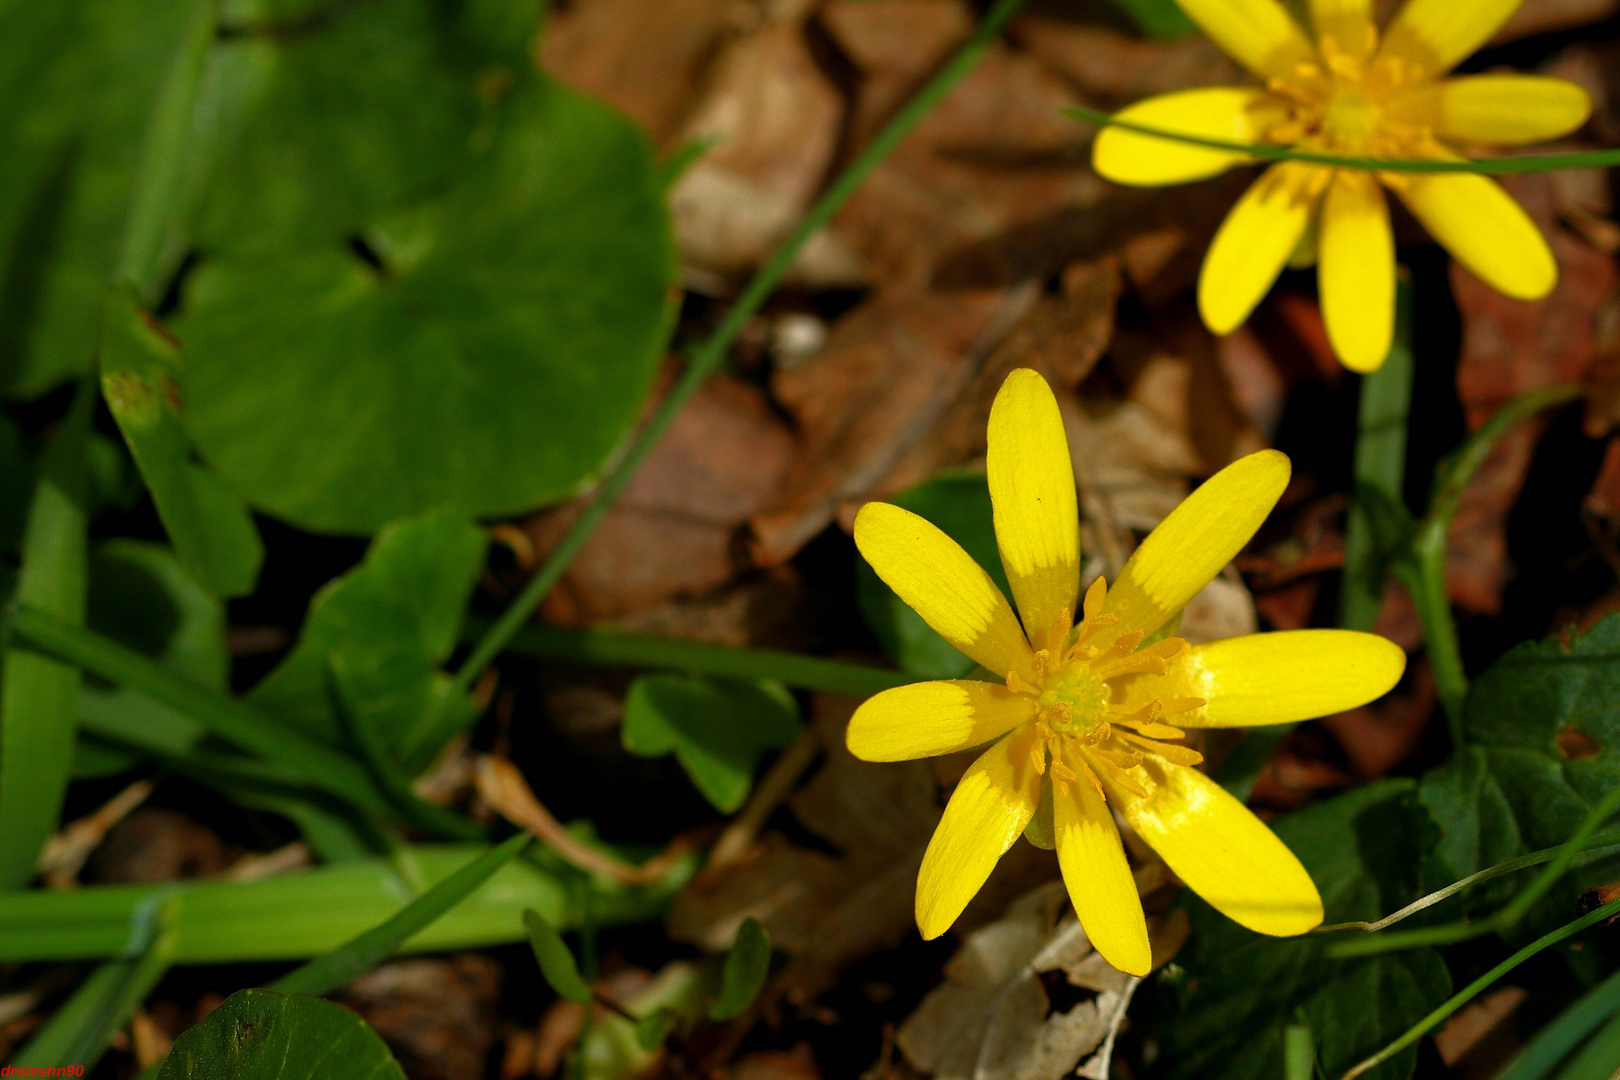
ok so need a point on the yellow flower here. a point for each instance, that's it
(1083, 708)
(1350, 95)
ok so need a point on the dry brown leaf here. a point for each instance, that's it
(894, 44)
(438, 1015)
(774, 120)
(721, 461)
(1548, 16)
(1510, 346)
(992, 1019)
(891, 369)
(1115, 68)
(644, 56)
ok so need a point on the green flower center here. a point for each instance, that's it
(1085, 695)
(1350, 120)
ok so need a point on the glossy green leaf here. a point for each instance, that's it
(77, 83)
(330, 123)
(39, 696)
(1543, 746)
(1240, 991)
(959, 503)
(492, 365)
(365, 951)
(263, 1035)
(747, 964)
(555, 958)
(209, 527)
(394, 619)
(716, 728)
(141, 596)
(296, 916)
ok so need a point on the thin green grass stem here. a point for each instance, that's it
(1516, 909)
(1380, 470)
(712, 353)
(1554, 1042)
(612, 648)
(1528, 163)
(1469, 992)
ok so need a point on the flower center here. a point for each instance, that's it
(1350, 119)
(1078, 687)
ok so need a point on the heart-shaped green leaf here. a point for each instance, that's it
(263, 1035)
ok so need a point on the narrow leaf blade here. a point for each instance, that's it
(556, 959)
(747, 964)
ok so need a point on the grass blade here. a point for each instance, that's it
(318, 765)
(300, 915)
(355, 958)
(1554, 1042)
(39, 696)
(79, 1032)
(555, 958)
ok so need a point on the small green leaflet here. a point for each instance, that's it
(746, 966)
(263, 1035)
(716, 728)
(556, 959)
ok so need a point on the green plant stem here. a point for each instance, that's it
(1380, 469)
(1528, 163)
(1451, 933)
(1424, 573)
(317, 765)
(1534, 858)
(1467, 993)
(358, 956)
(611, 648)
(709, 356)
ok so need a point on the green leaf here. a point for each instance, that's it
(263, 1035)
(492, 365)
(365, 951)
(394, 619)
(39, 696)
(1241, 991)
(142, 597)
(330, 123)
(747, 964)
(209, 527)
(652, 1029)
(77, 82)
(296, 916)
(1554, 1043)
(959, 503)
(555, 958)
(1543, 746)
(716, 728)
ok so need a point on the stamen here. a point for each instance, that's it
(1117, 775)
(1124, 714)
(1153, 660)
(1098, 734)
(1086, 653)
(1091, 778)
(1120, 755)
(1178, 705)
(1043, 657)
(1016, 683)
(1061, 772)
(1057, 635)
(1037, 757)
(1125, 644)
(1180, 755)
(1092, 605)
(1061, 713)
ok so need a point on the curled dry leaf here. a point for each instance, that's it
(992, 1018)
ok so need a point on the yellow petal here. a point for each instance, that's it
(1275, 678)
(1196, 541)
(1032, 492)
(931, 718)
(942, 583)
(1357, 271)
(1255, 241)
(1345, 27)
(986, 813)
(1259, 34)
(1098, 877)
(1229, 113)
(1484, 229)
(1430, 36)
(1222, 851)
(1500, 110)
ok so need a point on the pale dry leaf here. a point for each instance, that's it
(989, 1019)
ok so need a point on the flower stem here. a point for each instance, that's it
(1424, 573)
(713, 352)
(1380, 470)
